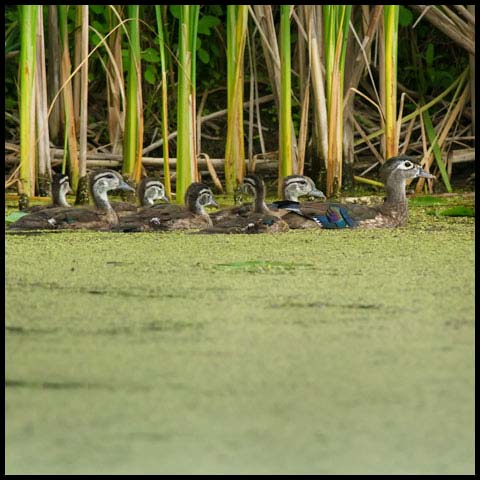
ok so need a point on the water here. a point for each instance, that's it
(341, 352)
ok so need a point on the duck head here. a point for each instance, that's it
(295, 186)
(150, 190)
(198, 196)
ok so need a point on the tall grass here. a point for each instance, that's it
(28, 28)
(186, 155)
(133, 122)
(335, 23)
(285, 134)
(166, 155)
(41, 108)
(82, 190)
(388, 84)
(335, 45)
(70, 135)
(237, 16)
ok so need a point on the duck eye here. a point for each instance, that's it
(408, 164)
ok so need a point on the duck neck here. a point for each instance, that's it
(291, 196)
(260, 206)
(61, 201)
(396, 199)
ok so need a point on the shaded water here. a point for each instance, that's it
(342, 352)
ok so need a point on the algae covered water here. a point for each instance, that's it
(341, 352)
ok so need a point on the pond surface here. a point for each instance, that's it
(321, 352)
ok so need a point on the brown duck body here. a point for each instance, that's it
(260, 220)
(293, 187)
(149, 190)
(172, 217)
(100, 217)
(392, 213)
(163, 218)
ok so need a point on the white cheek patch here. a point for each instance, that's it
(406, 166)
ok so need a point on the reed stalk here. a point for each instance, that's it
(28, 28)
(335, 22)
(389, 84)
(133, 138)
(313, 17)
(82, 190)
(285, 166)
(186, 160)
(115, 82)
(237, 16)
(70, 131)
(55, 118)
(166, 155)
(44, 166)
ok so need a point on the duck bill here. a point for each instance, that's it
(125, 186)
(213, 203)
(165, 198)
(318, 194)
(424, 174)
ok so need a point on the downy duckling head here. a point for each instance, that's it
(150, 190)
(253, 185)
(198, 196)
(295, 186)
(60, 188)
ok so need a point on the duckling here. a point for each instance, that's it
(100, 217)
(60, 188)
(173, 217)
(392, 213)
(260, 220)
(148, 191)
(293, 187)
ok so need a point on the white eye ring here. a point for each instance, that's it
(408, 164)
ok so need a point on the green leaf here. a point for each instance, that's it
(97, 8)
(14, 216)
(429, 54)
(151, 55)
(203, 55)
(99, 26)
(206, 23)
(405, 16)
(150, 75)
(175, 11)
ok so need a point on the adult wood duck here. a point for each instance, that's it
(260, 220)
(173, 217)
(98, 217)
(293, 187)
(392, 213)
(149, 190)
(60, 188)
